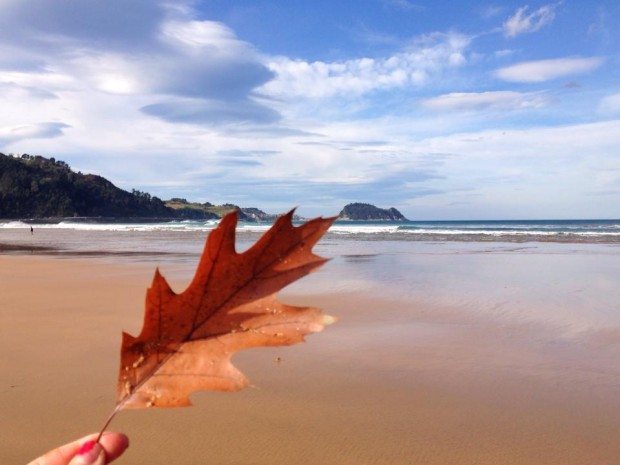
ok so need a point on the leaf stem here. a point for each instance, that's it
(109, 420)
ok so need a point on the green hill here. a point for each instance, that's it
(37, 187)
(208, 210)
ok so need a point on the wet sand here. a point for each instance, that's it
(394, 382)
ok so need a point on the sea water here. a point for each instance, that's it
(563, 273)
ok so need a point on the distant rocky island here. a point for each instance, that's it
(368, 212)
(36, 188)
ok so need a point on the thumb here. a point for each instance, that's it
(91, 453)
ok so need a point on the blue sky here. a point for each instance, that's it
(445, 110)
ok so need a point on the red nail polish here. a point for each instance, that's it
(86, 447)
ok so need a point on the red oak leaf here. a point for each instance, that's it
(188, 339)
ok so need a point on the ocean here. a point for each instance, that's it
(482, 265)
(179, 240)
(602, 230)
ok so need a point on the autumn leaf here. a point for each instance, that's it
(188, 339)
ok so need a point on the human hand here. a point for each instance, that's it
(86, 451)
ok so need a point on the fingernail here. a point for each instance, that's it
(86, 447)
(90, 453)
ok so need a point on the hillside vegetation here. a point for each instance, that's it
(209, 210)
(32, 186)
(37, 187)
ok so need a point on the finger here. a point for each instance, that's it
(109, 448)
(114, 445)
(91, 453)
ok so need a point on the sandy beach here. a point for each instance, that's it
(396, 381)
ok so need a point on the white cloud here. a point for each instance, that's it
(175, 56)
(610, 104)
(205, 37)
(414, 66)
(11, 90)
(9, 135)
(494, 100)
(213, 112)
(503, 53)
(521, 22)
(491, 11)
(545, 70)
(575, 141)
(545, 172)
(43, 80)
(404, 5)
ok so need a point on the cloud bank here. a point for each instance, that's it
(495, 100)
(44, 130)
(424, 59)
(522, 22)
(149, 49)
(546, 70)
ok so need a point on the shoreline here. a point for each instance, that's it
(393, 382)
(67, 233)
(53, 244)
(50, 251)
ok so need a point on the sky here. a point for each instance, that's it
(442, 109)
